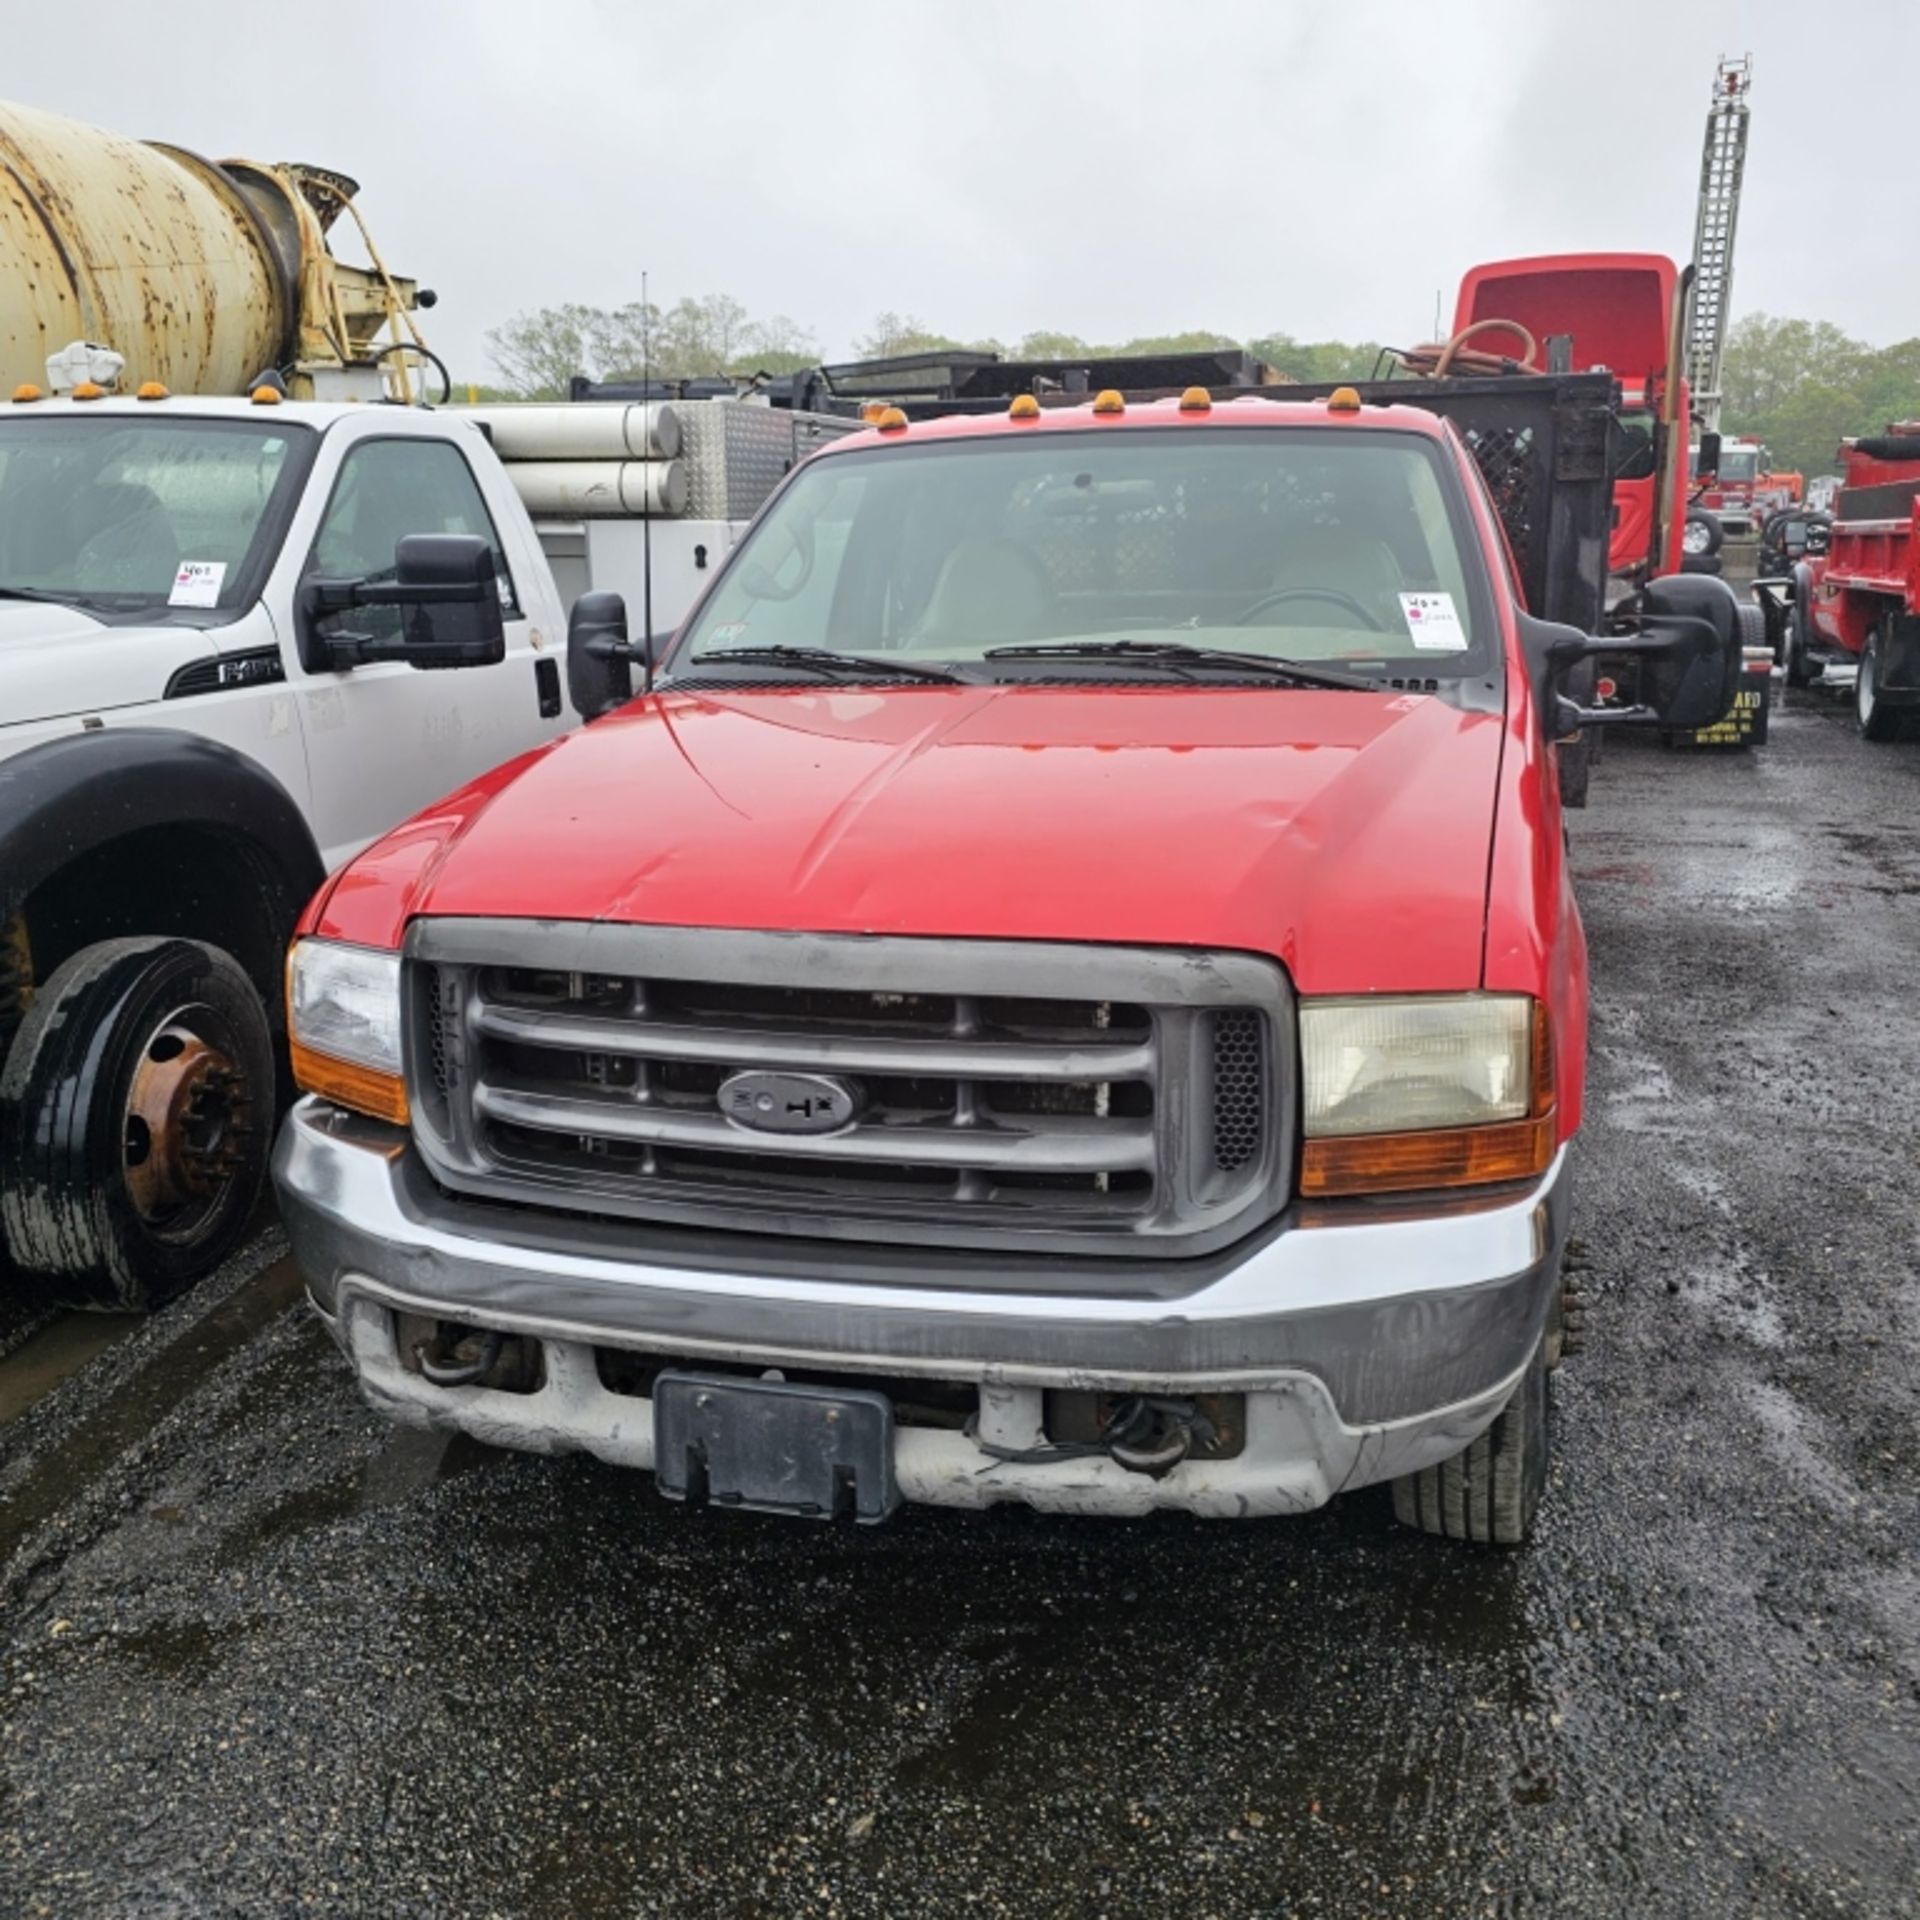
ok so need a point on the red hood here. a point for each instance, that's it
(1345, 833)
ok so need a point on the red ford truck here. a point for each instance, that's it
(1059, 983)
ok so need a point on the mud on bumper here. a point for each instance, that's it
(1363, 1351)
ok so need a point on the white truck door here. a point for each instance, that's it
(386, 739)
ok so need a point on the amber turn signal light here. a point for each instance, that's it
(381, 1095)
(1410, 1162)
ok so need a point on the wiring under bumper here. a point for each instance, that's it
(1363, 1350)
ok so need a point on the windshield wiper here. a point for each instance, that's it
(820, 659)
(1176, 656)
(37, 593)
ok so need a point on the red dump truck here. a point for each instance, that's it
(1858, 604)
(1058, 984)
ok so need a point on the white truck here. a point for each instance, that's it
(220, 621)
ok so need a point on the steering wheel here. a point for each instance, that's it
(1346, 600)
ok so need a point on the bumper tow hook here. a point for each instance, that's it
(461, 1373)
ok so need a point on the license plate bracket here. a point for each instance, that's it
(774, 1446)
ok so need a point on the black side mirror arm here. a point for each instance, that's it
(636, 653)
(1553, 650)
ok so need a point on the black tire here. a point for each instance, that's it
(1576, 769)
(1800, 670)
(136, 1117)
(1706, 531)
(1575, 757)
(1876, 720)
(1489, 1494)
(1702, 563)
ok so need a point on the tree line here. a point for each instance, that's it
(536, 354)
(1799, 385)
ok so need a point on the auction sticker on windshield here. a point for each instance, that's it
(1433, 623)
(197, 584)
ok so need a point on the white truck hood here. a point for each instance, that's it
(58, 662)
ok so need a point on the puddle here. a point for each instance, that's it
(60, 1348)
(1783, 1427)
(1732, 1298)
(65, 1471)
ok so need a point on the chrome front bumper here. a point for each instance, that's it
(1365, 1350)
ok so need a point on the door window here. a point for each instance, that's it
(391, 488)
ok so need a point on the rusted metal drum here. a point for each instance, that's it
(149, 250)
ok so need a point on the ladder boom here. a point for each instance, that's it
(1721, 166)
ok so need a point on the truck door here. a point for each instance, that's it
(386, 739)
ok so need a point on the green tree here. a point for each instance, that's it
(1801, 386)
(1315, 362)
(537, 353)
(1052, 346)
(1199, 341)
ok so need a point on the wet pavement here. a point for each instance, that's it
(261, 1655)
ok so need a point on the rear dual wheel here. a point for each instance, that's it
(136, 1115)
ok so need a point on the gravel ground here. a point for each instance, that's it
(259, 1655)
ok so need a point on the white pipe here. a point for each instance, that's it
(601, 489)
(585, 430)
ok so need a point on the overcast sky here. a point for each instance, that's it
(1105, 167)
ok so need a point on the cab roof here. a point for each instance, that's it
(1238, 410)
(319, 414)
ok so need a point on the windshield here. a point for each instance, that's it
(170, 518)
(1737, 464)
(1310, 545)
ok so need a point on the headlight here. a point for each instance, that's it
(343, 1022)
(1426, 1090)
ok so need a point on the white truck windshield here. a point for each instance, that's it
(138, 516)
(1343, 548)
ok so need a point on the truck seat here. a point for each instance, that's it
(989, 591)
(133, 547)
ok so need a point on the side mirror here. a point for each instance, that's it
(600, 657)
(450, 595)
(1709, 462)
(1675, 648)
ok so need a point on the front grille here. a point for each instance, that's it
(831, 1088)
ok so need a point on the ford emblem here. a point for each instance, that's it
(789, 1102)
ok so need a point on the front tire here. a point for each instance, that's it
(1876, 720)
(1702, 533)
(1489, 1494)
(136, 1116)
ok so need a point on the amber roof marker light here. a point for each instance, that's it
(1343, 400)
(1110, 401)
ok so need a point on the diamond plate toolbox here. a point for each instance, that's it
(737, 454)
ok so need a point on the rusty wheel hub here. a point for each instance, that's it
(188, 1118)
